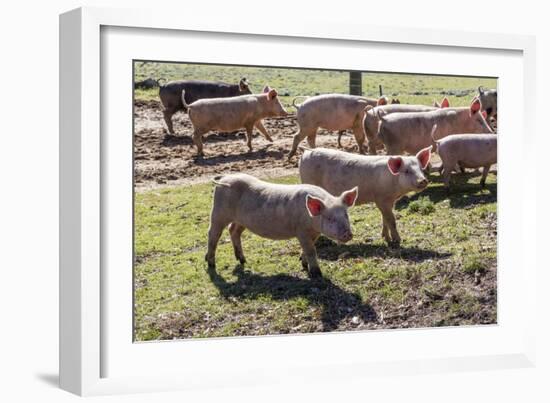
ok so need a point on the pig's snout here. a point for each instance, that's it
(422, 183)
(346, 236)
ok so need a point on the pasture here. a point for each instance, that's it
(443, 274)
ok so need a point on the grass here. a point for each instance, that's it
(366, 285)
(409, 88)
(422, 205)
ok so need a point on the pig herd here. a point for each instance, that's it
(332, 181)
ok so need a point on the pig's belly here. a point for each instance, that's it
(226, 126)
(266, 231)
(336, 125)
(469, 163)
(266, 228)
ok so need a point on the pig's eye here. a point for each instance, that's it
(406, 171)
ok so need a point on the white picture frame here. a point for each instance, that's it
(88, 179)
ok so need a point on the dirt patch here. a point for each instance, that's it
(162, 160)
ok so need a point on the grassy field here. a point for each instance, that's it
(414, 89)
(443, 274)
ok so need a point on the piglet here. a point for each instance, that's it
(278, 212)
(230, 114)
(468, 151)
(380, 179)
(411, 132)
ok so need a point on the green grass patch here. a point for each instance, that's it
(366, 285)
(423, 205)
(409, 88)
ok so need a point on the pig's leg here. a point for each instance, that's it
(259, 125)
(168, 119)
(214, 233)
(484, 175)
(311, 138)
(386, 209)
(235, 230)
(298, 137)
(360, 138)
(340, 134)
(385, 230)
(447, 169)
(249, 137)
(310, 255)
(197, 140)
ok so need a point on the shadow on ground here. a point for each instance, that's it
(336, 303)
(461, 195)
(329, 250)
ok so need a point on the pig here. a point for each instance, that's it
(278, 212)
(148, 83)
(229, 114)
(170, 94)
(411, 132)
(468, 151)
(371, 119)
(380, 179)
(488, 99)
(331, 112)
(383, 102)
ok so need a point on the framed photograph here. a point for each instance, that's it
(239, 209)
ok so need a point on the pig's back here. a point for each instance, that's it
(270, 210)
(330, 111)
(403, 108)
(337, 171)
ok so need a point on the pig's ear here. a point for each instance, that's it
(424, 156)
(314, 205)
(437, 104)
(349, 196)
(266, 89)
(382, 101)
(272, 94)
(475, 106)
(445, 103)
(394, 165)
(484, 114)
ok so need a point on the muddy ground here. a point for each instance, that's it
(165, 160)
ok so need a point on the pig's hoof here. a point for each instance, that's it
(315, 272)
(241, 260)
(211, 262)
(395, 244)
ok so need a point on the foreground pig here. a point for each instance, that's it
(380, 179)
(335, 112)
(371, 120)
(230, 114)
(277, 212)
(411, 132)
(468, 151)
(170, 94)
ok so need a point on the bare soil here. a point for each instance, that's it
(161, 159)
